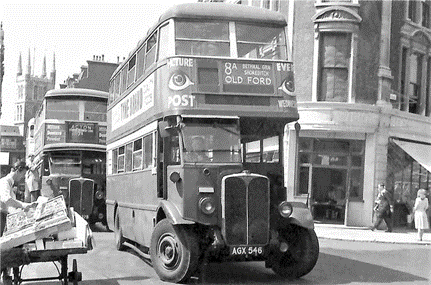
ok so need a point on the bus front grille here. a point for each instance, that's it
(81, 195)
(245, 209)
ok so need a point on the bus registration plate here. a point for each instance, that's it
(246, 250)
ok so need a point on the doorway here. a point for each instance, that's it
(328, 194)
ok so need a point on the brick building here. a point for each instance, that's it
(95, 75)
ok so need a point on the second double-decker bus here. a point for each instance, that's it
(196, 120)
(68, 140)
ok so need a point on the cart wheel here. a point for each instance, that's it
(74, 275)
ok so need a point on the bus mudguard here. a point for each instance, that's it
(301, 216)
(171, 212)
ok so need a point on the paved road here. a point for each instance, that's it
(340, 262)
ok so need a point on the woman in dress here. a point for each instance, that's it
(421, 219)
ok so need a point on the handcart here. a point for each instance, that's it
(58, 232)
(17, 258)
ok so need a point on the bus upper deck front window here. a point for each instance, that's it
(202, 38)
(216, 142)
(257, 41)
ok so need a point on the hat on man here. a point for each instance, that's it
(422, 191)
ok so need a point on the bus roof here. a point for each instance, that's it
(223, 11)
(213, 11)
(80, 92)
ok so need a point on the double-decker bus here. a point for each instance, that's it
(196, 119)
(68, 139)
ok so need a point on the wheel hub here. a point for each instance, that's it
(168, 251)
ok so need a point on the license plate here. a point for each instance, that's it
(246, 250)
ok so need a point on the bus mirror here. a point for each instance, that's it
(165, 129)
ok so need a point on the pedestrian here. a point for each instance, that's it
(421, 219)
(32, 189)
(8, 201)
(382, 208)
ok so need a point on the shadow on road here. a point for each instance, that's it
(330, 269)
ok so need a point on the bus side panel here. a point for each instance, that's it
(145, 197)
(119, 190)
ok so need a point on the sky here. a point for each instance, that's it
(74, 33)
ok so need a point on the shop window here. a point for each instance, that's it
(342, 160)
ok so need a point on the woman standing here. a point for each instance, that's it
(421, 219)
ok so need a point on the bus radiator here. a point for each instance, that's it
(246, 209)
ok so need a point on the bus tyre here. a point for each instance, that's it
(174, 252)
(119, 238)
(301, 256)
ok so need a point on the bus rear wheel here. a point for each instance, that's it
(119, 238)
(174, 251)
(301, 256)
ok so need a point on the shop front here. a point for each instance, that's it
(409, 169)
(330, 174)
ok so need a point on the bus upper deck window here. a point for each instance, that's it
(257, 41)
(202, 38)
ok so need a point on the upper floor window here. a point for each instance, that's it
(334, 67)
(415, 75)
(419, 12)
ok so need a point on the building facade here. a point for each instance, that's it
(11, 147)
(1, 62)
(363, 84)
(95, 75)
(30, 92)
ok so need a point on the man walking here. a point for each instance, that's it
(382, 208)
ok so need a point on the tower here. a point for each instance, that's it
(31, 89)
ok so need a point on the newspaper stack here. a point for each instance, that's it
(48, 218)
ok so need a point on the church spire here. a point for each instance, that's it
(29, 63)
(53, 72)
(19, 72)
(44, 67)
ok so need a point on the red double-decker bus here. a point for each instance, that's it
(196, 119)
(68, 139)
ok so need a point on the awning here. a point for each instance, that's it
(419, 152)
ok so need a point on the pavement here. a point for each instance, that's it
(363, 234)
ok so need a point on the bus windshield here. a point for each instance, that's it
(214, 39)
(212, 141)
(65, 164)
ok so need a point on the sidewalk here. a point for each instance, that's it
(399, 235)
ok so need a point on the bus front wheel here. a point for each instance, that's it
(119, 238)
(301, 255)
(174, 251)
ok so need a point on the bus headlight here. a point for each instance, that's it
(285, 209)
(207, 205)
(99, 195)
